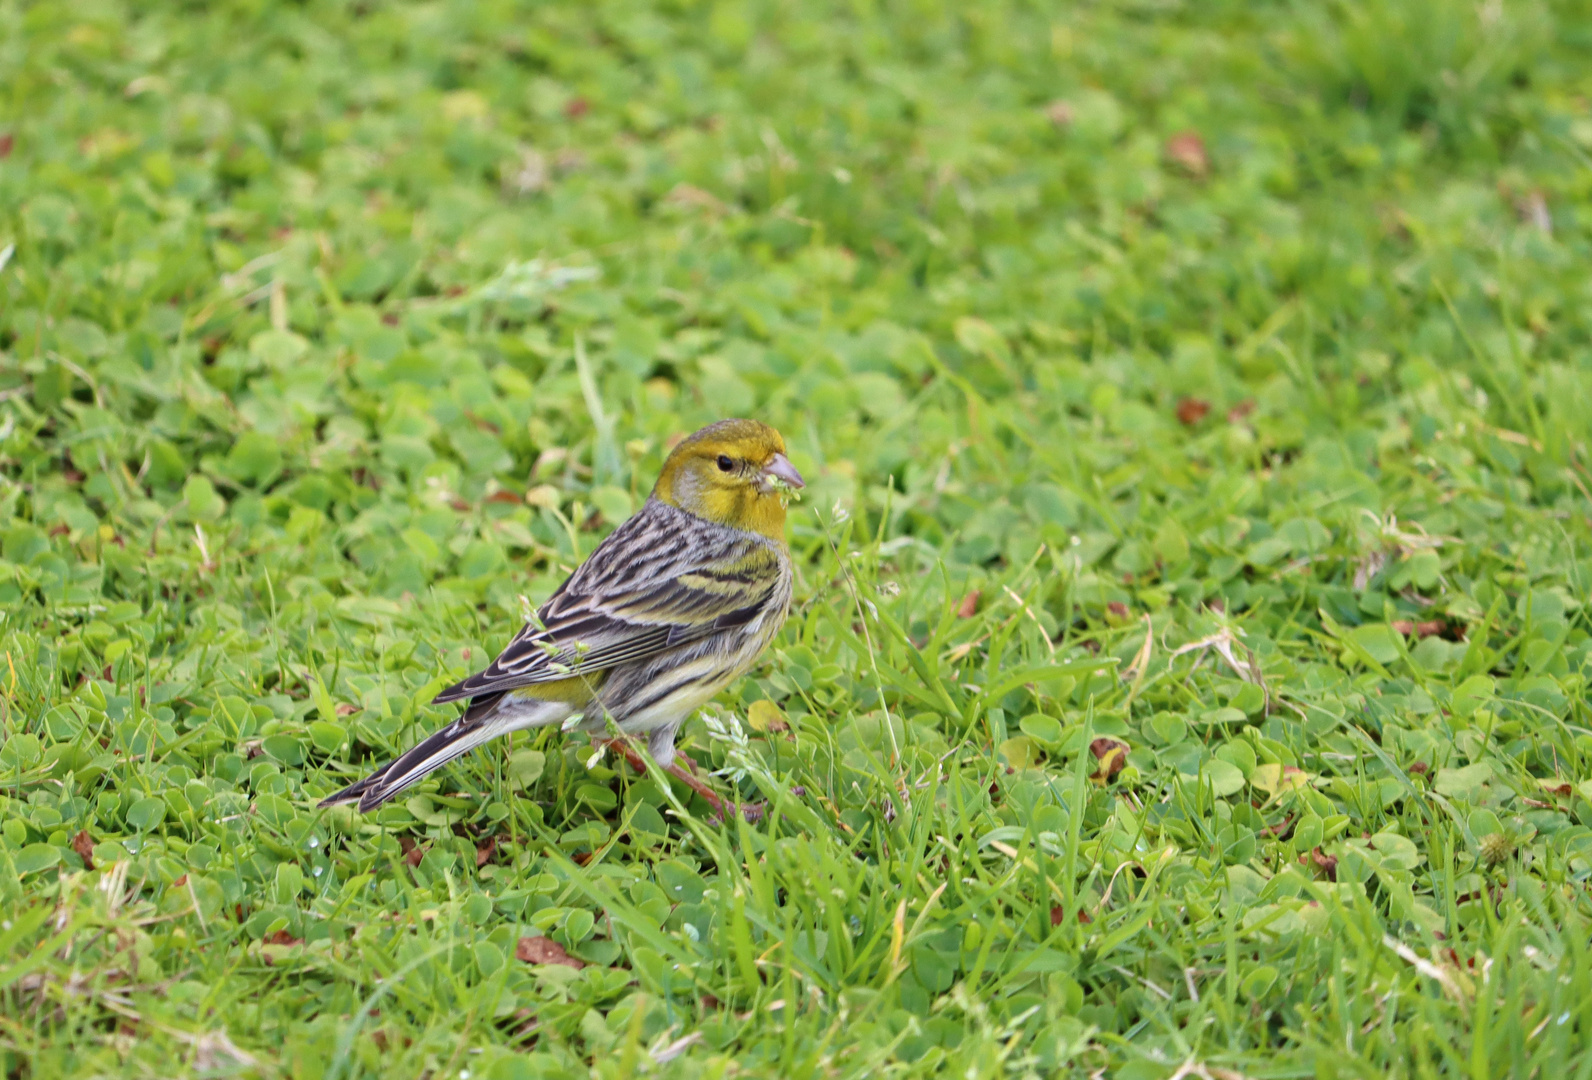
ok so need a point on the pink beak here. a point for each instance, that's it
(779, 466)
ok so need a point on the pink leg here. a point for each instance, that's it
(753, 811)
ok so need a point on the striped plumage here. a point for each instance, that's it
(678, 601)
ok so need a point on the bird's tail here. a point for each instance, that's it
(484, 721)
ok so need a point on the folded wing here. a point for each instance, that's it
(661, 580)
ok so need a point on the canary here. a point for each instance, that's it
(675, 604)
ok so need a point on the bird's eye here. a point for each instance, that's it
(725, 464)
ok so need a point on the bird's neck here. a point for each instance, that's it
(743, 508)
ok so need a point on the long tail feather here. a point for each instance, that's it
(427, 757)
(352, 792)
(481, 723)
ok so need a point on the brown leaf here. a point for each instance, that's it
(693, 197)
(1058, 914)
(1420, 629)
(1112, 754)
(413, 852)
(83, 844)
(969, 605)
(1191, 410)
(281, 937)
(541, 950)
(1187, 150)
(485, 851)
(1327, 864)
(523, 1023)
(1239, 411)
(1533, 209)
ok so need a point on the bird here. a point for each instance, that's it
(674, 605)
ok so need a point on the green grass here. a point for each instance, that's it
(334, 334)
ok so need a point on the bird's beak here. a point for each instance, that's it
(780, 469)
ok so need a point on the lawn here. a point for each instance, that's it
(1188, 669)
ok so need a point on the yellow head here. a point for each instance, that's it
(733, 473)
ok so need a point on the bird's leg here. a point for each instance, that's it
(690, 780)
(627, 749)
(753, 811)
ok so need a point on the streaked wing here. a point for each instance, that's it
(662, 579)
